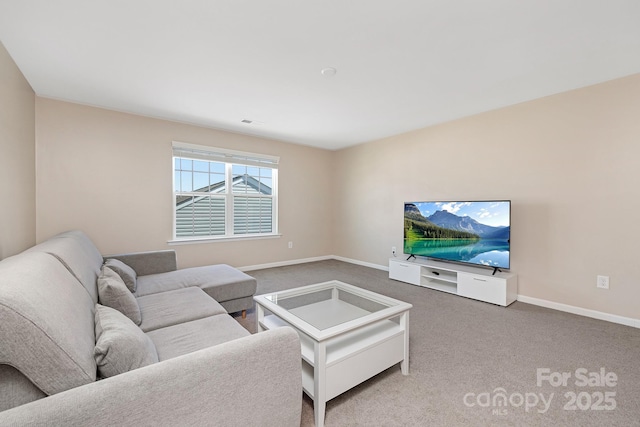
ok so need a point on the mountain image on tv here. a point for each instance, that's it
(470, 232)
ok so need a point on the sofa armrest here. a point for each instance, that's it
(253, 381)
(152, 262)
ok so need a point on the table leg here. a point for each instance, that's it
(404, 324)
(319, 382)
(259, 317)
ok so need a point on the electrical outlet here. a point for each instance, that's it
(602, 282)
(290, 245)
(393, 250)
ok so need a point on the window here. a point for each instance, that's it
(221, 193)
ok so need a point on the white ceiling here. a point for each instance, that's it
(401, 65)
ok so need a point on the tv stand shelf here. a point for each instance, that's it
(470, 282)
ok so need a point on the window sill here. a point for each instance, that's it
(199, 240)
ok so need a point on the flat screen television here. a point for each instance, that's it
(470, 232)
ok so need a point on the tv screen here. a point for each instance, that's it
(475, 232)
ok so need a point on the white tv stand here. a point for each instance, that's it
(470, 282)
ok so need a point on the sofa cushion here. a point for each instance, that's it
(115, 294)
(149, 262)
(46, 323)
(185, 338)
(126, 273)
(121, 346)
(78, 254)
(173, 307)
(220, 281)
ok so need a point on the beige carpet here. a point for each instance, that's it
(463, 353)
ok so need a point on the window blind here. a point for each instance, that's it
(213, 154)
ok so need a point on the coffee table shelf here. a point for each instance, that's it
(342, 346)
(347, 335)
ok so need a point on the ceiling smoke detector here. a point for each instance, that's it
(328, 72)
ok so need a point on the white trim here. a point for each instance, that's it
(213, 239)
(627, 321)
(208, 153)
(229, 206)
(314, 259)
(284, 263)
(274, 201)
(365, 264)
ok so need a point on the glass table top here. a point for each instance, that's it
(331, 304)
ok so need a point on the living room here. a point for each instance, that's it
(567, 162)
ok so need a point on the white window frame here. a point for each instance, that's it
(229, 158)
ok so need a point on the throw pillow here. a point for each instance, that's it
(126, 273)
(121, 346)
(113, 293)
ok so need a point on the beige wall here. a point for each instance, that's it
(110, 174)
(17, 159)
(570, 163)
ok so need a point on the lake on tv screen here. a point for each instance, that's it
(492, 253)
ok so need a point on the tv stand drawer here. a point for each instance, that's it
(481, 287)
(404, 272)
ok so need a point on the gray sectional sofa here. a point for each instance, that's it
(67, 358)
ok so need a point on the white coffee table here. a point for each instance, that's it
(348, 334)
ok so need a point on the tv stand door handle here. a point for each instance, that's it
(479, 280)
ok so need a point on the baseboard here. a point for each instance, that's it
(305, 260)
(627, 321)
(284, 263)
(365, 264)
